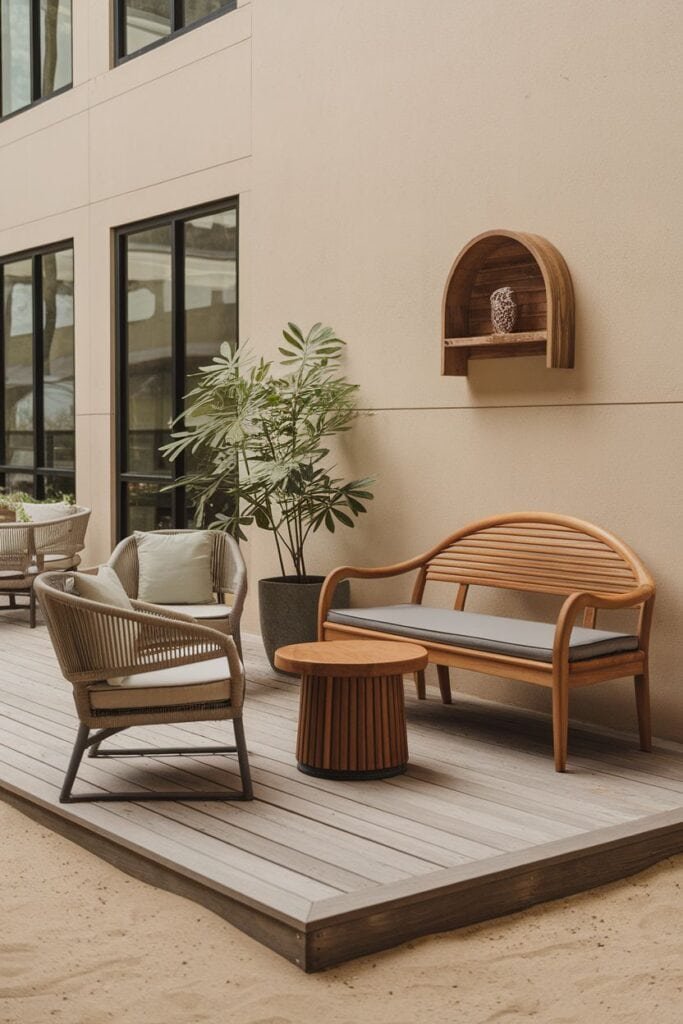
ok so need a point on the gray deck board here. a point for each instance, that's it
(323, 870)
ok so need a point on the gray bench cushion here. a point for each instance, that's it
(492, 633)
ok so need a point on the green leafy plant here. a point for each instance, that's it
(258, 438)
(13, 502)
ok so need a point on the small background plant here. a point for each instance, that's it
(259, 438)
(13, 502)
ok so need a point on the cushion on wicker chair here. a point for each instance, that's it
(202, 611)
(201, 681)
(175, 568)
(43, 513)
(105, 588)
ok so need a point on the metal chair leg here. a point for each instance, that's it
(32, 609)
(76, 756)
(243, 758)
(85, 740)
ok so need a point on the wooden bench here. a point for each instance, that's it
(532, 552)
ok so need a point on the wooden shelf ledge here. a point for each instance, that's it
(513, 338)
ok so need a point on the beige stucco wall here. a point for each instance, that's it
(368, 141)
(388, 134)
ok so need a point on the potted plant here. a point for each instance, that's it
(259, 440)
(12, 508)
(15, 506)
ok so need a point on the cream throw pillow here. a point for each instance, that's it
(175, 568)
(105, 588)
(50, 510)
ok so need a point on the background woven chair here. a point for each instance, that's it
(28, 548)
(170, 670)
(17, 556)
(58, 542)
(228, 572)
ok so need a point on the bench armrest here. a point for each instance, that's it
(575, 603)
(352, 572)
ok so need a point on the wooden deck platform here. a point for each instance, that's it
(323, 871)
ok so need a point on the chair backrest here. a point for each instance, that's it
(537, 552)
(227, 564)
(63, 536)
(16, 547)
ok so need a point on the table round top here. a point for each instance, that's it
(352, 658)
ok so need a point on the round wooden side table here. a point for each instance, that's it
(351, 715)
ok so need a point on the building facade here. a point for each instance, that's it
(185, 173)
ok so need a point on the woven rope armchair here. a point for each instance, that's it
(167, 668)
(28, 548)
(229, 577)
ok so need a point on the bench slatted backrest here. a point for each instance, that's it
(547, 554)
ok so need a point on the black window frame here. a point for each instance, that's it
(178, 27)
(176, 219)
(36, 66)
(38, 471)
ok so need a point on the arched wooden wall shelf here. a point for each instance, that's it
(537, 272)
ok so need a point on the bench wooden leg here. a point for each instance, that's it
(420, 685)
(642, 686)
(444, 683)
(560, 721)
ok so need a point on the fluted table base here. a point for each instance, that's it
(352, 727)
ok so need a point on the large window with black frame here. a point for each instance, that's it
(35, 52)
(177, 303)
(37, 372)
(142, 24)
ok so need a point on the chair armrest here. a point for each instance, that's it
(351, 572)
(575, 603)
(119, 642)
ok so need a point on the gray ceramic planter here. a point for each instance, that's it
(289, 610)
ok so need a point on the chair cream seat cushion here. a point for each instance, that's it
(201, 611)
(57, 561)
(186, 684)
(52, 560)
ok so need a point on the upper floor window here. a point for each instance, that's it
(35, 51)
(37, 372)
(142, 24)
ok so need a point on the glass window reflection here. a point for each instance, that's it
(18, 359)
(15, 55)
(55, 45)
(37, 441)
(31, 71)
(146, 23)
(149, 348)
(58, 359)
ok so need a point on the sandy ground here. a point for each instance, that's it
(82, 943)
